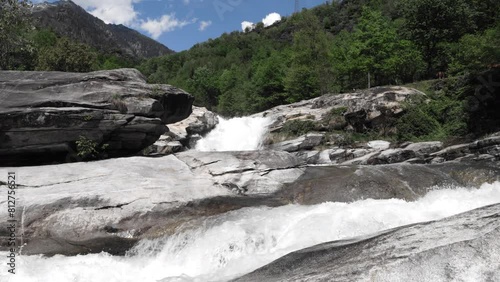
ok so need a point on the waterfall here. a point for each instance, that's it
(236, 134)
(235, 243)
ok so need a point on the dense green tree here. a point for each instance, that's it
(44, 39)
(374, 51)
(430, 23)
(332, 48)
(205, 85)
(269, 79)
(15, 48)
(486, 13)
(475, 52)
(68, 56)
(310, 71)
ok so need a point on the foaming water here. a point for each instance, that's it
(236, 134)
(238, 242)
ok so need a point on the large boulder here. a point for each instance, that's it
(424, 148)
(44, 114)
(391, 156)
(200, 122)
(184, 133)
(460, 248)
(109, 205)
(371, 108)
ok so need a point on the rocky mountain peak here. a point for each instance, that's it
(68, 19)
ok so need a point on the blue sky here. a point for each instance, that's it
(179, 24)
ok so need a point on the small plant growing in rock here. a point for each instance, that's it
(88, 118)
(88, 149)
(118, 104)
(334, 119)
(298, 127)
(156, 90)
(338, 111)
(117, 96)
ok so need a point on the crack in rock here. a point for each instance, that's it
(232, 171)
(206, 164)
(113, 207)
(57, 183)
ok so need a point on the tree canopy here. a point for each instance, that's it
(335, 47)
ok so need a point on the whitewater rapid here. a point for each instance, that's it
(236, 134)
(229, 245)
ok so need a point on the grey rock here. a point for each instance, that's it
(163, 147)
(351, 183)
(120, 201)
(485, 157)
(351, 156)
(44, 113)
(486, 142)
(338, 155)
(305, 142)
(438, 160)
(364, 109)
(203, 124)
(324, 157)
(416, 161)
(379, 145)
(453, 152)
(362, 159)
(456, 248)
(392, 156)
(199, 123)
(114, 203)
(492, 150)
(425, 148)
(309, 157)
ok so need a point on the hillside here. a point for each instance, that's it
(333, 48)
(67, 19)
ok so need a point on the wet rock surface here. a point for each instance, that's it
(462, 247)
(305, 142)
(186, 132)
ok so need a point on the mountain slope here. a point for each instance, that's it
(66, 18)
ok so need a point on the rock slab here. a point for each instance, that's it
(43, 114)
(109, 205)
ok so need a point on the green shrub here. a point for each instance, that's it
(416, 124)
(298, 127)
(340, 111)
(89, 149)
(334, 119)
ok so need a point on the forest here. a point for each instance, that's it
(334, 48)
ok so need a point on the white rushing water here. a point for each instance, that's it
(236, 134)
(235, 243)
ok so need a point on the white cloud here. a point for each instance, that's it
(245, 25)
(204, 25)
(267, 21)
(271, 19)
(111, 11)
(156, 27)
(124, 12)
